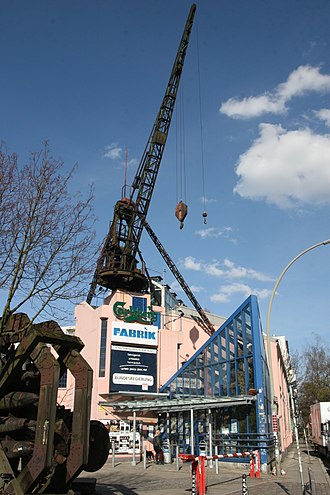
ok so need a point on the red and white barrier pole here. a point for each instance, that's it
(258, 464)
(252, 465)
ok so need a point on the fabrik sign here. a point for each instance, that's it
(133, 369)
(133, 333)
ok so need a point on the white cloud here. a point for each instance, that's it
(113, 151)
(132, 162)
(196, 288)
(213, 232)
(206, 200)
(286, 168)
(190, 263)
(242, 272)
(226, 291)
(324, 114)
(301, 81)
(214, 270)
(252, 106)
(227, 269)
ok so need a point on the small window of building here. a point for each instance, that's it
(103, 347)
(63, 380)
(139, 303)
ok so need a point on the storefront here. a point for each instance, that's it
(220, 396)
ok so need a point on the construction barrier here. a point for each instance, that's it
(198, 471)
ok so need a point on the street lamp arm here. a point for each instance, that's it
(323, 243)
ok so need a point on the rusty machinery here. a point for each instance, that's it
(43, 446)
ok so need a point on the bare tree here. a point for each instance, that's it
(47, 247)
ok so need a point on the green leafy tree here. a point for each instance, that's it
(313, 375)
(47, 248)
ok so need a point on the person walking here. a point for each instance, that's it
(157, 444)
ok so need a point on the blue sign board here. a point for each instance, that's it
(133, 369)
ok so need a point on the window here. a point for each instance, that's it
(103, 347)
(139, 303)
(63, 379)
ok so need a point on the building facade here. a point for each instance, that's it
(155, 364)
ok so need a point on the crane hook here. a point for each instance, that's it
(204, 215)
(181, 212)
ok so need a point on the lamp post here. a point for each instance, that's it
(271, 375)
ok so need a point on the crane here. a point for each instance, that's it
(117, 267)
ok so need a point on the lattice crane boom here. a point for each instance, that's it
(205, 322)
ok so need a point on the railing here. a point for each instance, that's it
(232, 443)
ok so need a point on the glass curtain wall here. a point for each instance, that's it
(232, 363)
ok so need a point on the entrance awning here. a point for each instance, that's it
(121, 401)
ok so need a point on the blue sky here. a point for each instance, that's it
(89, 76)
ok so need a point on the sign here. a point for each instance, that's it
(134, 334)
(133, 369)
(131, 315)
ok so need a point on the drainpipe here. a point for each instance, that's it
(192, 431)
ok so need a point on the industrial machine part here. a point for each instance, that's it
(117, 265)
(43, 446)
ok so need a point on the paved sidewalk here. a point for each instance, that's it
(125, 479)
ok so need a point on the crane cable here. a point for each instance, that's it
(181, 182)
(204, 214)
(181, 209)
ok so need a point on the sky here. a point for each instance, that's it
(252, 133)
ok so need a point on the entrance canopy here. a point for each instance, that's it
(161, 402)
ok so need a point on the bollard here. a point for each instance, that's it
(245, 490)
(145, 457)
(113, 453)
(201, 476)
(177, 457)
(194, 466)
(216, 460)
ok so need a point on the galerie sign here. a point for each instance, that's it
(132, 333)
(133, 369)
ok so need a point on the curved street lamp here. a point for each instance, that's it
(269, 354)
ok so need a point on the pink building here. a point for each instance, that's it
(282, 375)
(118, 351)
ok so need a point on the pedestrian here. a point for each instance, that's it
(157, 444)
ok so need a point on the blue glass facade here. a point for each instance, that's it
(230, 365)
